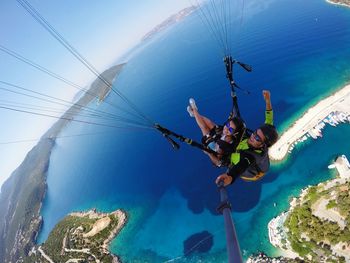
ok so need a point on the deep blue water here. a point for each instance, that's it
(299, 50)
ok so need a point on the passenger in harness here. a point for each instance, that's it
(250, 160)
(222, 139)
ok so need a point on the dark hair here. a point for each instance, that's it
(239, 123)
(270, 133)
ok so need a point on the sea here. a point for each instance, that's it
(299, 50)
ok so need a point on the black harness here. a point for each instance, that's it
(216, 133)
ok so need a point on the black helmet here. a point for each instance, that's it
(270, 133)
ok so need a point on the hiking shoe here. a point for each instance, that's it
(190, 111)
(193, 104)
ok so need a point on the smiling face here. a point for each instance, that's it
(229, 128)
(257, 139)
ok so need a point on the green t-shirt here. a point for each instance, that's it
(243, 145)
(269, 117)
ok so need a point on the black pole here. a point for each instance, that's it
(167, 133)
(233, 250)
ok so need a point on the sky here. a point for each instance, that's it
(101, 31)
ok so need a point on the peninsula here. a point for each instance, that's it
(169, 21)
(22, 194)
(317, 225)
(332, 110)
(80, 237)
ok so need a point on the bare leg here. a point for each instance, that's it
(208, 122)
(203, 122)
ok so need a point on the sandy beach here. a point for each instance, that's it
(311, 123)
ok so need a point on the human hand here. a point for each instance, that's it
(225, 178)
(266, 94)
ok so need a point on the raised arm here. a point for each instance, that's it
(267, 98)
(268, 111)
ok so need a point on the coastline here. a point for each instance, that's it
(179, 16)
(338, 3)
(331, 110)
(81, 236)
(98, 91)
(279, 233)
(22, 194)
(93, 214)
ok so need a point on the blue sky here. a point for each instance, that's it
(100, 30)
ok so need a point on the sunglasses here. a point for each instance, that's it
(257, 137)
(231, 130)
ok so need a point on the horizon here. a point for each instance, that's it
(98, 39)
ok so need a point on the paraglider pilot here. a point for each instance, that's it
(250, 160)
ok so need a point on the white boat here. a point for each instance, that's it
(312, 134)
(342, 117)
(331, 166)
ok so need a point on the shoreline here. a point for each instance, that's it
(175, 18)
(93, 214)
(331, 110)
(122, 221)
(278, 236)
(27, 185)
(338, 3)
(82, 236)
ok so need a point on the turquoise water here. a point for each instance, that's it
(298, 49)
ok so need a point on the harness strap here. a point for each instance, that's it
(255, 178)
